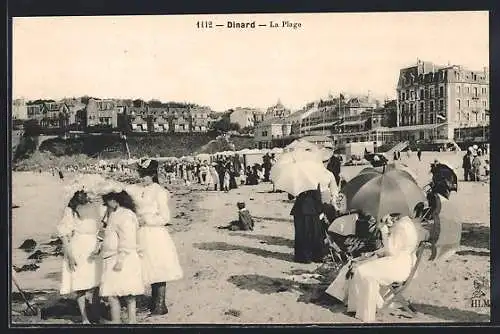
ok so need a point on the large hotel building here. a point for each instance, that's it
(433, 101)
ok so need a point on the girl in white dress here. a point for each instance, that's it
(160, 262)
(78, 231)
(400, 240)
(122, 275)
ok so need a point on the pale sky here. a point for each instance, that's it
(168, 58)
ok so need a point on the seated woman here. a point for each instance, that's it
(362, 290)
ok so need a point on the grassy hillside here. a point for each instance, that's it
(111, 146)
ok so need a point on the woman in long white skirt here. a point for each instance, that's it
(78, 230)
(160, 262)
(363, 290)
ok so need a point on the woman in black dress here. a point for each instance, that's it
(309, 228)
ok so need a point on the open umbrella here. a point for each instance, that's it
(404, 170)
(379, 194)
(302, 145)
(299, 155)
(299, 171)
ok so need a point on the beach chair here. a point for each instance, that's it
(396, 289)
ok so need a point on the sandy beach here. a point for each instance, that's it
(250, 277)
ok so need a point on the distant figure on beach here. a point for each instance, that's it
(419, 154)
(227, 180)
(61, 175)
(78, 231)
(245, 220)
(476, 167)
(467, 165)
(214, 176)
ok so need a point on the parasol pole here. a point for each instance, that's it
(23, 294)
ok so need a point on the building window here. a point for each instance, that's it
(402, 108)
(426, 93)
(441, 91)
(421, 107)
(412, 95)
(407, 94)
(431, 92)
(468, 103)
(458, 103)
(431, 106)
(467, 90)
(458, 90)
(421, 94)
(441, 105)
(475, 91)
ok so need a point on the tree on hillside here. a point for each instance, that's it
(39, 101)
(247, 129)
(139, 103)
(155, 104)
(31, 128)
(85, 99)
(225, 125)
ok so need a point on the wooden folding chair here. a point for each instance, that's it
(397, 288)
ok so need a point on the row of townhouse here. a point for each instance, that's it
(171, 119)
(435, 104)
(108, 113)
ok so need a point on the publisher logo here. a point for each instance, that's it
(479, 296)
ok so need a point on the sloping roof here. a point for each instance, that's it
(354, 122)
(275, 121)
(317, 139)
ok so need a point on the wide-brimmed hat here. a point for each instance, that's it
(147, 167)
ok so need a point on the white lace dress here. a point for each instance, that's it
(160, 262)
(82, 235)
(120, 239)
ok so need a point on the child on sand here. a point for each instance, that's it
(245, 220)
(122, 275)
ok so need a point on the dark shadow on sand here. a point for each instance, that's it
(473, 252)
(475, 236)
(309, 293)
(222, 246)
(267, 239)
(451, 314)
(287, 220)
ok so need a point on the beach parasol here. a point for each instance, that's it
(277, 150)
(403, 169)
(203, 156)
(298, 171)
(302, 145)
(381, 193)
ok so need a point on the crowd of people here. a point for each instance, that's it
(476, 164)
(223, 173)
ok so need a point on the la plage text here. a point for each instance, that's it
(285, 24)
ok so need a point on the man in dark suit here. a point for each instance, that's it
(467, 165)
(334, 167)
